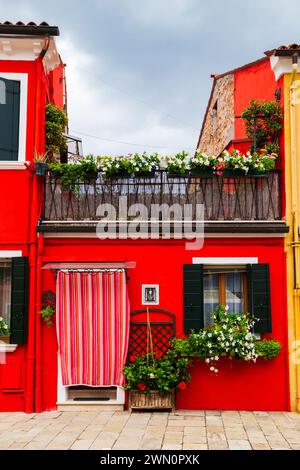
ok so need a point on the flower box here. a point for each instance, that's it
(256, 174)
(179, 175)
(231, 173)
(40, 168)
(152, 400)
(145, 174)
(202, 173)
(5, 339)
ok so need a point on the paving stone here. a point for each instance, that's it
(192, 439)
(195, 430)
(102, 444)
(239, 444)
(150, 444)
(194, 446)
(82, 444)
(171, 447)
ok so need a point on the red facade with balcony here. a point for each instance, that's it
(244, 225)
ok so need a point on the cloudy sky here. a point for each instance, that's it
(138, 71)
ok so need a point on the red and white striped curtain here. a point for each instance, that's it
(92, 319)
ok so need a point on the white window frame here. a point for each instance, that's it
(23, 79)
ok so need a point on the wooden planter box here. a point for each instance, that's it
(152, 400)
(5, 339)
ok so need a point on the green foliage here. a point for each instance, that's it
(144, 163)
(229, 335)
(4, 330)
(56, 121)
(70, 173)
(201, 161)
(47, 313)
(161, 373)
(269, 120)
(268, 348)
(179, 163)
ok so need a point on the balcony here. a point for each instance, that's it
(243, 202)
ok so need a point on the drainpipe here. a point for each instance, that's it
(38, 329)
(295, 167)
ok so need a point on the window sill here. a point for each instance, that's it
(6, 348)
(12, 166)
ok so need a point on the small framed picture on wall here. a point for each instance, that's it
(150, 294)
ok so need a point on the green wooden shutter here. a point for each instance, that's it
(19, 300)
(193, 297)
(259, 296)
(9, 120)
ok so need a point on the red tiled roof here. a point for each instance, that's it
(29, 29)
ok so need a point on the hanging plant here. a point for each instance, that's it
(48, 307)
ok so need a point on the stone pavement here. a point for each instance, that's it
(123, 430)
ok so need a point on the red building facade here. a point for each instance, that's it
(50, 230)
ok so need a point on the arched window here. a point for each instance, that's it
(2, 92)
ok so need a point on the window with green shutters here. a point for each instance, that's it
(9, 119)
(19, 300)
(245, 289)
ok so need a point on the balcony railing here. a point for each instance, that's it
(242, 198)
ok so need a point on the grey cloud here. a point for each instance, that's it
(139, 71)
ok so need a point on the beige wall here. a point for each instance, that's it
(219, 125)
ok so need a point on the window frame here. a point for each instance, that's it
(23, 79)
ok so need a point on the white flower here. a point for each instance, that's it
(216, 358)
(226, 308)
(212, 369)
(207, 360)
(209, 335)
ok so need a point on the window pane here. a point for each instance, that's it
(5, 290)
(9, 120)
(235, 292)
(211, 295)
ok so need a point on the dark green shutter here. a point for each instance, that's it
(9, 120)
(193, 297)
(259, 296)
(19, 300)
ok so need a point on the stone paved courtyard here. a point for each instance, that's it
(123, 430)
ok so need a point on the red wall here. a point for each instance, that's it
(255, 82)
(20, 206)
(238, 385)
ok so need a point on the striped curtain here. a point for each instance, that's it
(92, 319)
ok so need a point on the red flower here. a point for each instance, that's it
(142, 387)
(182, 386)
(159, 354)
(132, 358)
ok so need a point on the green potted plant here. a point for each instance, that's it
(153, 378)
(4, 331)
(143, 165)
(202, 165)
(40, 163)
(114, 167)
(235, 164)
(263, 121)
(178, 165)
(88, 170)
(47, 313)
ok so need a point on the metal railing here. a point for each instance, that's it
(224, 198)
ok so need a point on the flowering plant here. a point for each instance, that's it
(178, 163)
(4, 330)
(160, 372)
(113, 166)
(229, 335)
(237, 161)
(201, 161)
(143, 163)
